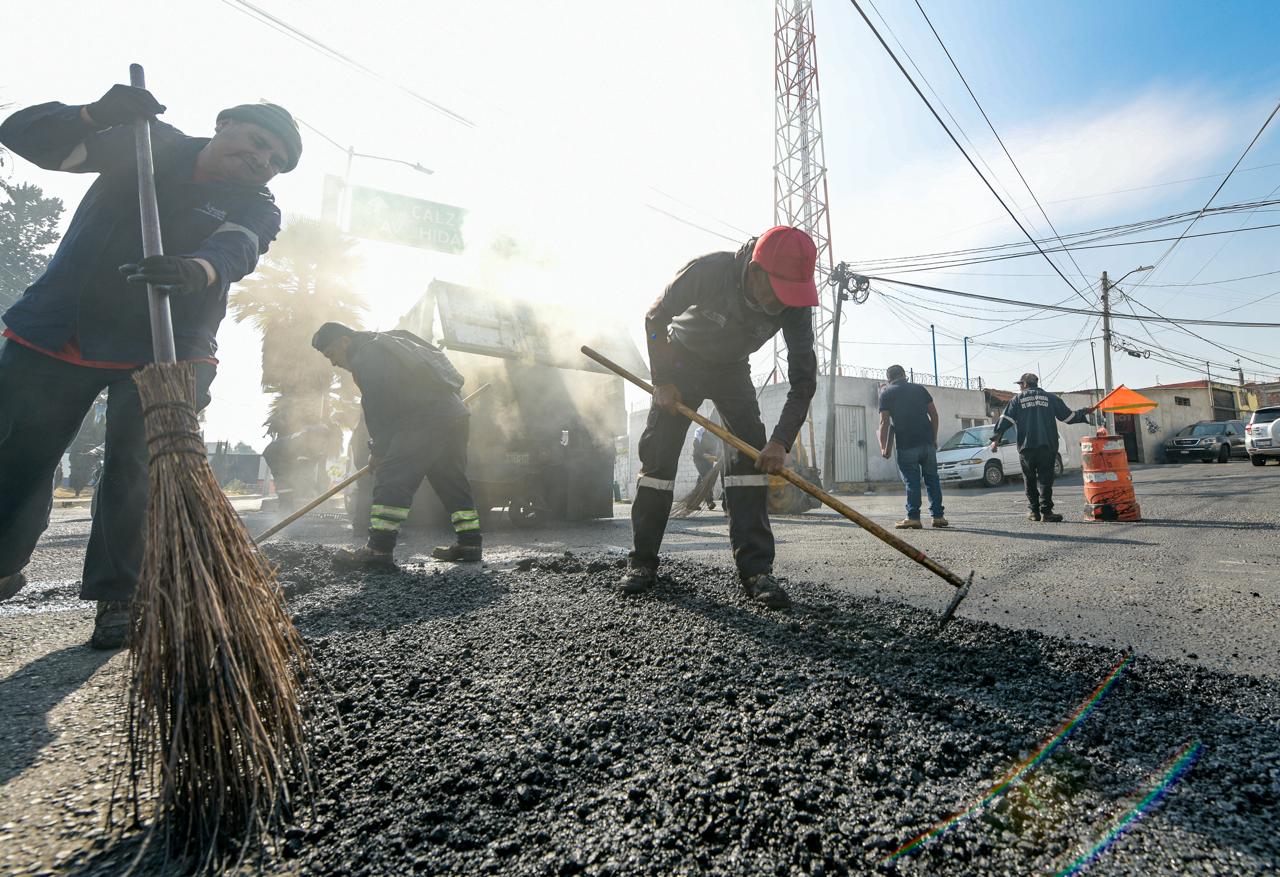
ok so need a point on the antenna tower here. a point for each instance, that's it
(799, 163)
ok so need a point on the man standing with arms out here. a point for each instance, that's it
(701, 332)
(418, 428)
(914, 417)
(1036, 413)
(83, 325)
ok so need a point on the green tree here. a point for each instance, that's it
(28, 231)
(303, 281)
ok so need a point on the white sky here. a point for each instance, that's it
(586, 112)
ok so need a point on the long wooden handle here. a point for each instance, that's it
(162, 346)
(337, 488)
(816, 492)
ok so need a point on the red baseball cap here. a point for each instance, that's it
(789, 257)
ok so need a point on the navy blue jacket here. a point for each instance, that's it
(82, 293)
(1036, 413)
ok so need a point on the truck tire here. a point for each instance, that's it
(993, 474)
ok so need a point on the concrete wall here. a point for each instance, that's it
(628, 469)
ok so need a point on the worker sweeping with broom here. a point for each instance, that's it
(701, 332)
(82, 326)
(418, 427)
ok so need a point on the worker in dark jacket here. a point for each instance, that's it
(418, 427)
(83, 325)
(706, 453)
(719, 310)
(1035, 413)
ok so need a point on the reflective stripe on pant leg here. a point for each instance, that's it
(746, 481)
(465, 520)
(387, 518)
(669, 485)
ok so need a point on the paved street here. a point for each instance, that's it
(1193, 581)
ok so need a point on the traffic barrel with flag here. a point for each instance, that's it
(1108, 483)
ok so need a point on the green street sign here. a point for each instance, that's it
(399, 219)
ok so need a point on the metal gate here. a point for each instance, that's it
(851, 443)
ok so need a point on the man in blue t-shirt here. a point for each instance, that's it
(910, 409)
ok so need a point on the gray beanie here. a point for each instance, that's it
(275, 119)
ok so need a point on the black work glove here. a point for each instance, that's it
(174, 274)
(123, 104)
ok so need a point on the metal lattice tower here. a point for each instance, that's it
(799, 163)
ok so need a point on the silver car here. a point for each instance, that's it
(1262, 435)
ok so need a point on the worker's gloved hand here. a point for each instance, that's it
(667, 397)
(121, 105)
(773, 459)
(175, 274)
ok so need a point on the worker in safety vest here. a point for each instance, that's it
(701, 332)
(418, 428)
(1035, 413)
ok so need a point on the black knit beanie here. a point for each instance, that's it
(275, 119)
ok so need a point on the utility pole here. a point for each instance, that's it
(1107, 286)
(829, 437)
(966, 362)
(934, 337)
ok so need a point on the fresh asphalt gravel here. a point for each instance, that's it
(521, 717)
(526, 719)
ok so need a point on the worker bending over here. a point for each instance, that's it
(418, 427)
(83, 325)
(701, 332)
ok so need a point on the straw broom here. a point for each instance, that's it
(700, 493)
(215, 727)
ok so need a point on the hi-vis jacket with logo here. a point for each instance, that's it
(81, 292)
(705, 311)
(1036, 414)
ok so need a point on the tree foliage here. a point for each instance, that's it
(28, 231)
(303, 281)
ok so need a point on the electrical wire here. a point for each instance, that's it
(999, 139)
(976, 170)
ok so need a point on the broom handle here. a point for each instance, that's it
(337, 488)
(816, 492)
(157, 300)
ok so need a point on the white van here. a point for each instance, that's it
(967, 456)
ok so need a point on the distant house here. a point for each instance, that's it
(1179, 405)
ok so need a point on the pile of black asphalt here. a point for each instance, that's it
(523, 717)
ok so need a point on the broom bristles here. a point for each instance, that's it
(215, 727)
(700, 494)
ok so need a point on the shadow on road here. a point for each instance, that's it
(1055, 535)
(30, 694)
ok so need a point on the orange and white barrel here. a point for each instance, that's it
(1108, 484)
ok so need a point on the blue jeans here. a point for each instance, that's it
(912, 464)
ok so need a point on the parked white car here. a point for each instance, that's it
(967, 456)
(1262, 435)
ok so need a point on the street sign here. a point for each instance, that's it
(399, 219)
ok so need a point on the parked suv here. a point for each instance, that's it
(1207, 441)
(1262, 435)
(967, 456)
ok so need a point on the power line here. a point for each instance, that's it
(999, 139)
(693, 224)
(281, 26)
(985, 181)
(1156, 318)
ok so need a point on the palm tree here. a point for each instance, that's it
(303, 281)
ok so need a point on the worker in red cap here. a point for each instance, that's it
(701, 332)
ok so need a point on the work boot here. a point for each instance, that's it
(766, 591)
(110, 625)
(909, 524)
(364, 558)
(941, 522)
(459, 552)
(1033, 516)
(638, 580)
(11, 584)
(1050, 517)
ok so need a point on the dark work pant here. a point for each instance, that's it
(42, 403)
(746, 490)
(437, 451)
(1037, 475)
